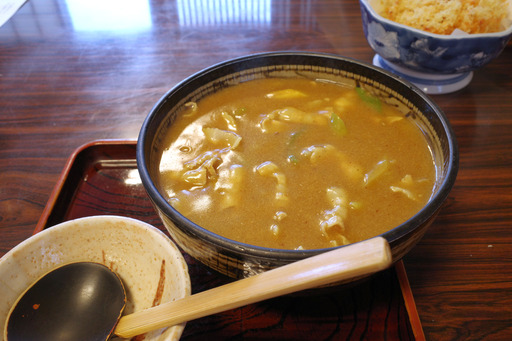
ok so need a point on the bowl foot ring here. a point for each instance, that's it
(433, 84)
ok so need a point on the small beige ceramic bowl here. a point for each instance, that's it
(150, 265)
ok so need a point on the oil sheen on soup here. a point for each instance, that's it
(295, 164)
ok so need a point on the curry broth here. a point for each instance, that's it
(295, 163)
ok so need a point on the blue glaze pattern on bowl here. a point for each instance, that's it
(427, 52)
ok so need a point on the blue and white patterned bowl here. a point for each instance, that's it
(434, 62)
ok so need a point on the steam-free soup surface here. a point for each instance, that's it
(295, 164)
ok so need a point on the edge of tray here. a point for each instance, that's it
(52, 200)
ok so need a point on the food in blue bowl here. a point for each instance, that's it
(436, 62)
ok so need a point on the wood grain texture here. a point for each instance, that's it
(62, 86)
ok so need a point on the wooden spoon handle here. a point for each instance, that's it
(351, 261)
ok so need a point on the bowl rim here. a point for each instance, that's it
(235, 247)
(501, 34)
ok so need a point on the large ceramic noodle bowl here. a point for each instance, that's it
(263, 160)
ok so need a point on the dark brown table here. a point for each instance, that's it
(70, 74)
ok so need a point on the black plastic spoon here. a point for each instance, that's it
(83, 301)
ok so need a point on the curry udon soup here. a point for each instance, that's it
(295, 164)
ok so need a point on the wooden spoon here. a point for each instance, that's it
(348, 262)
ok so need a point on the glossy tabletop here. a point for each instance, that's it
(75, 71)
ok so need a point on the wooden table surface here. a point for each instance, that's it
(76, 71)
